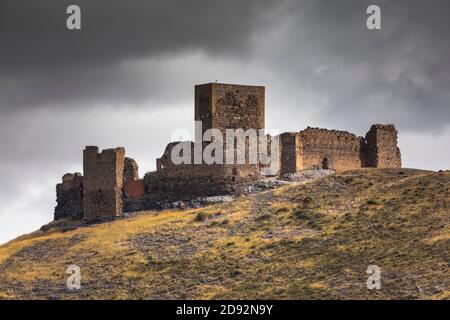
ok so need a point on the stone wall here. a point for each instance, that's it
(161, 188)
(331, 149)
(69, 197)
(133, 196)
(103, 182)
(315, 148)
(291, 159)
(173, 182)
(382, 150)
(131, 170)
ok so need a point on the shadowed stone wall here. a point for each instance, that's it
(69, 197)
(315, 148)
(382, 150)
(103, 181)
(131, 170)
(330, 149)
(291, 160)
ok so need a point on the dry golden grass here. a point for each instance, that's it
(311, 241)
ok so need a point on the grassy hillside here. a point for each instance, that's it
(296, 242)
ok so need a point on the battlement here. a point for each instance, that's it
(387, 127)
(329, 132)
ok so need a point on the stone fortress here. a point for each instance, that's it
(110, 185)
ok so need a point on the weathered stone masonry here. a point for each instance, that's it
(111, 184)
(382, 150)
(69, 197)
(315, 148)
(103, 182)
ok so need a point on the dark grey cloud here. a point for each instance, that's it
(40, 56)
(399, 74)
(33, 33)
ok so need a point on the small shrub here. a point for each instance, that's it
(347, 217)
(201, 216)
(300, 215)
(307, 200)
(262, 217)
(371, 202)
(348, 180)
(312, 219)
(314, 225)
(234, 273)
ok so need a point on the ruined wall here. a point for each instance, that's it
(172, 182)
(160, 188)
(291, 160)
(103, 182)
(270, 166)
(331, 149)
(131, 170)
(382, 150)
(203, 105)
(133, 196)
(133, 187)
(69, 197)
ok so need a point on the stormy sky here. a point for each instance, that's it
(127, 77)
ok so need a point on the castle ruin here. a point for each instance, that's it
(110, 184)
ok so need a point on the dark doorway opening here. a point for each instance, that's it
(326, 163)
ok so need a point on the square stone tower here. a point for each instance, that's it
(229, 106)
(382, 150)
(103, 182)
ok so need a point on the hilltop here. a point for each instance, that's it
(302, 241)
